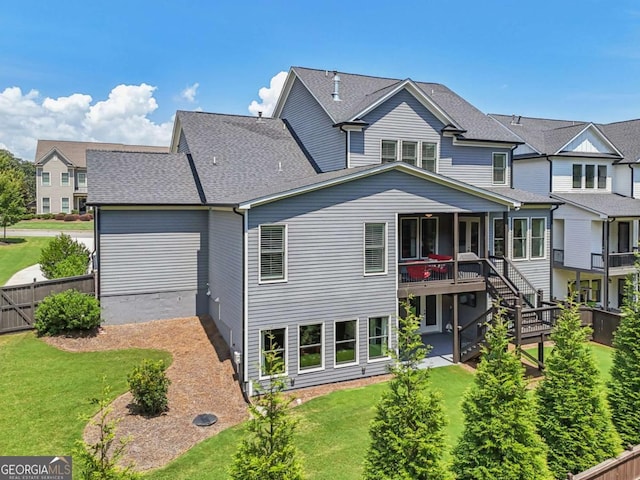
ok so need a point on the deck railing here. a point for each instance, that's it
(625, 259)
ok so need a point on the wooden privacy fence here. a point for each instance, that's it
(18, 302)
(604, 325)
(624, 467)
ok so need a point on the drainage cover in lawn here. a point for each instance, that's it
(205, 419)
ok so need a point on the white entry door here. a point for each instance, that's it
(469, 235)
(429, 308)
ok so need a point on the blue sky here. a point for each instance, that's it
(564, 59)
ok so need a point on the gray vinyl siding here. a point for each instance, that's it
(532, 176)
(536, 271)
(473, 165)
(325, 277)
(325, 143)
(154, 252)
(401, 117)
(225, 275)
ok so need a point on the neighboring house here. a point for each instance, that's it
(593, 170)
(308, 229)
(61, 173)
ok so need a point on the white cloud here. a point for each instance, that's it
(121, 118)
(269, 96)
(189, 93)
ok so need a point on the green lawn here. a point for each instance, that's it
(20, 253)
(43, 392)
(333, 434)
(601, 353)
(52, 225)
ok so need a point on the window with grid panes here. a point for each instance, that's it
(429, 151)
(410, 153)
(537, 237)
(389, 151)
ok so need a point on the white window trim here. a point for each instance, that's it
(285, 259)
(544, 238)
(364, 250)
(357, 346)
(397, 148)
(62, 205)
(388, 356)
(48, 206)
(417, 257)
(419, 160)
(505, 234)
(286, 354)
(82, 184)
(506, 168)
(42, 183)
(526, 239)
(437, 169)
(68, 184)
(322, 348)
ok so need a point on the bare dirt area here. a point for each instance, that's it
(202, 381)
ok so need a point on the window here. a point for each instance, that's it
(310, 347)
(589, 176)
(602, 176)
(272, 253)
(64, 179)
(375, 248)
(429, 151)
(46, 179)
(378, 337)
(519, 238)
(409, 240)
(346, 343)
(65, 205)
(429, 236)
(82, 179)
(410, 153)
(577, 176)
(538, 237)
(596, 288)
(46, 205)
(389, 151)
(273, 342)
(498, 237)
(500, 168)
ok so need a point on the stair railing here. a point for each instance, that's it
(532, 297)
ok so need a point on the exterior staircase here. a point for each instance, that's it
(530, 319)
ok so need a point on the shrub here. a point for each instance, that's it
(71, 217)
(60, 216)
(67, 311)
(149, 386)
(28, 216)
(75, 212)
(85, 218)
(90, 216)
(45, 216)
(64, 257)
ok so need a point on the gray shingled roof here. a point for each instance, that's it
(626, 137)
(609, 204)
(357, 92)
(523, 196)
(75, 152)
(236, 156)
(123, 178)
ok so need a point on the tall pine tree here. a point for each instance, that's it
(624, 387)
(499, 441)
(407, 433)
(269, 452)
(573, 417)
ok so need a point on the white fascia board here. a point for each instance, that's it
(175, 136)
(597, 132)
(288, 84)
(414, 90)
(470, 143)
(45, 158)
(415, 171)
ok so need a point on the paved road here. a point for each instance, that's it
(27, 275)
(49, 233)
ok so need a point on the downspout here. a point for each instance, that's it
(605, 261)
(550, 174)
(632, 172)
(553, 209)
(347, 156)
(511, 166)
(244, 311)
(95, 255)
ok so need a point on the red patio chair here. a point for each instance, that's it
(417, 273)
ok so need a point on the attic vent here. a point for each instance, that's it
(259, 117)
(336, 87)
(515, 121)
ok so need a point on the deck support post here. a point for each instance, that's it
(605, 261)
(456, 332)
(540, 354)
(518, 325)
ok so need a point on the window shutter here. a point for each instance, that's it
(374, 248)
(272, 251)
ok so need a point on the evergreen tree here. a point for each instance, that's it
(624, 387)
(269, 453)
(11, 199)
(407, 433)
(499, 441)
(573, 417)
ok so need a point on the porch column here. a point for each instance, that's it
(577, 289)
(605, 261)
(507, 243)
(487, 222)
(456, 333)
(456, 244)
